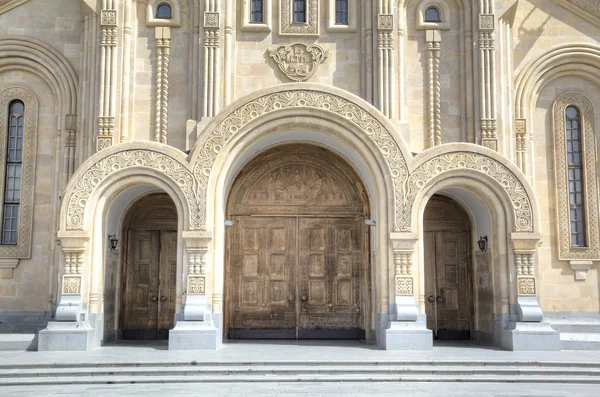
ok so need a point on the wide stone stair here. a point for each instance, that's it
(290, 371)
(578, 333)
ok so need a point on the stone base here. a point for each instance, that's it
(66, 336)
(522, 336)
(195, 335)
(18, 342)
(407, 335)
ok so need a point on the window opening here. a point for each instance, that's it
(575, 171)
(299, 11)
(341, 12)
(12, 172)
(163, 11)
(432, 14)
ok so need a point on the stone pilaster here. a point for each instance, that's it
(161, 105)
(108, 78)
(521, 144)
(212, 73)
(525, 246)
(385, 59)
(70, 143)
(434, 112)
(487, 70)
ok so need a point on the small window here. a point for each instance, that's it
(12, 173)
(163, 11)
(299, 11)
(432, 14)
(575, 175)
(256, 11)
(341, 12)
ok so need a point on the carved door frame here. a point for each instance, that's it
(296, 154)
(141, 216)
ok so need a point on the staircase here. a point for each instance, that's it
(290, 371)
(578, 333)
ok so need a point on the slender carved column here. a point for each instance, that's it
(487, 59)
(434, 136)
(403, 248)
(385, 57)
(163, 50)
(212, 83)
(72, 281)
(527, 300)
(108, 73)
(197, 277)
(70, 143)
(521, 139)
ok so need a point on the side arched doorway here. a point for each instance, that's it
(448, 276)
(297, 252)
(149, 268)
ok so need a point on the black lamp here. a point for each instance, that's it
(483, 243)
(113, 240)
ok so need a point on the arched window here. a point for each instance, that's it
(12, 172)
(575, 176)
(341, 12)
(299, 11)
(432, 14)
(163, 11)
(256, 11)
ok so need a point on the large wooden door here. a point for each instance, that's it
(150, 284)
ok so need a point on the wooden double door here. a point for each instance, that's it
(150, 284)
(296, 277)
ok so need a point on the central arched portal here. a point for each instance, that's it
(297, 263)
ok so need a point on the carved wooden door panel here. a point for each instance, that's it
(141, 301)
(448, 285)
(167, 282)
(263, 274)
(330, 261)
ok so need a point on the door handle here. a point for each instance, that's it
(439, 299)
(431, 298)
(291, 297)
(154, 298)
(163, 298)
(303, 298)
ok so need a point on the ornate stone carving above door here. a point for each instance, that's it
(299, 61)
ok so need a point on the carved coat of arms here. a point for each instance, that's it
(299, 61)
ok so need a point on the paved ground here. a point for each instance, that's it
(314, 390)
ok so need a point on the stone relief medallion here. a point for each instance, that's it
(299, 61)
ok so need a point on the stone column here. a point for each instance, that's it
(408, 331)
(528, 332)
(521, 143)
(161, 103)
(70, 144)
(108, 76)
(212, 72)
(434, 108)
(487, 70)
(385, 60)
(199, 329)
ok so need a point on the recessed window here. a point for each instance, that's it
(575, 175)
(432, 14)
(299, 11)
(256, 11)
(163, 11)
(12, 173)
(341, 12)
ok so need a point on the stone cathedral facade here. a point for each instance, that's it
(389, 171)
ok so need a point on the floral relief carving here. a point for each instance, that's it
(526, 286)
(260, 106)
(196, 285)
(23, 247)
(404, 285)
(565, 250)
(299, 61)
(168, 166)
(71, 285)
(523, 215)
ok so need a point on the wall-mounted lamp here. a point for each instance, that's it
(483, 243)
(113, 240)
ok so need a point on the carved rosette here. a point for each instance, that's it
(299, 61)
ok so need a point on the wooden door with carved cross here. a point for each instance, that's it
(448, 284)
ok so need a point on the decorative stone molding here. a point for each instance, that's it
(404, 286)
(403, 245)
(385, 22)
(580, 269)
(526, 286)
(7, 267)
(299, 61)
(588, 134)
(434, 108)
(30, 123)
(521, 143)
(99, 171)
(353, 16)
(296, 99)
(385, 61)
(108, 18)
(108, 81)
(288, 28)
(487, 22)
(521, 203)
(161, 104)
(487, 60)
(196, 285)
(212, 80)
(7, 5)
(152, 21)
(445, 14)
(265, 26)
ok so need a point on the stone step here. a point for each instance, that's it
(14, 341)
(579, 341)
(587, 326)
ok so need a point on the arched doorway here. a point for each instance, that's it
(150, 268)
(297, 252)
(448, 279)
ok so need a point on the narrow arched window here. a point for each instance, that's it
(12, 172)
(256, 11)
(163, 11)
(575, 175)
(299, 11)
(341, 12)
(432, 14)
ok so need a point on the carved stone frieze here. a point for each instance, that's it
(288, 28)
(526, 286)
(523, 215)
(262, 105)
(299, 61)
(168, 166)
(591, 202)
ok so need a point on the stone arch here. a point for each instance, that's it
(289, 100)
(147, 159)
